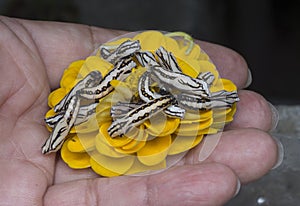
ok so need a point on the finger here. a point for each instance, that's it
(230, 64)
(22, 182)
(23, 85)
(207, 184)
(250, 153)
(61, 43)
(253, 111)
(25, 95)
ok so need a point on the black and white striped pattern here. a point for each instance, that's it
(162, 88)
(62, 128)
(124, 50)
(92, 79)
(120, 72)
(123, 125)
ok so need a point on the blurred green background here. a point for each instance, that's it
(265, 32)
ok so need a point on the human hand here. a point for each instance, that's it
(33, 55)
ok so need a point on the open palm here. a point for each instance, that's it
(32, 58)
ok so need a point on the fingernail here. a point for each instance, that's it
(275, 117)
(238, 187)
(280, 153)
(249, 80)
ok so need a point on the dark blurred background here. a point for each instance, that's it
(265, 32)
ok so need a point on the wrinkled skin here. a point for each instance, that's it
(33, 56)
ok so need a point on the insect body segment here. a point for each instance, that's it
(208, 77)
(144, 90)
(52, 121)
(181, 82)
(125, 49)
(90, 80)
(167, 60)
(62, 128)
(120, 72)
(224, 98)
(122, 108)
(147, 95)
(84, 113)
(123, 125)
(146, 59)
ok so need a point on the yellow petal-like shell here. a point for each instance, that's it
(93, 63)
(116, 165)
(56, 96)
(99, 169)
(200, 116)
(193, 128)
(83, 143)
(76, 160)
(116, 42)
(155, 150)
(115, 142)
(86, 127)
(104, 148)
(161, 125)
(139, 140)
(150, 40)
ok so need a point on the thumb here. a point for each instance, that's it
(206, 184)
